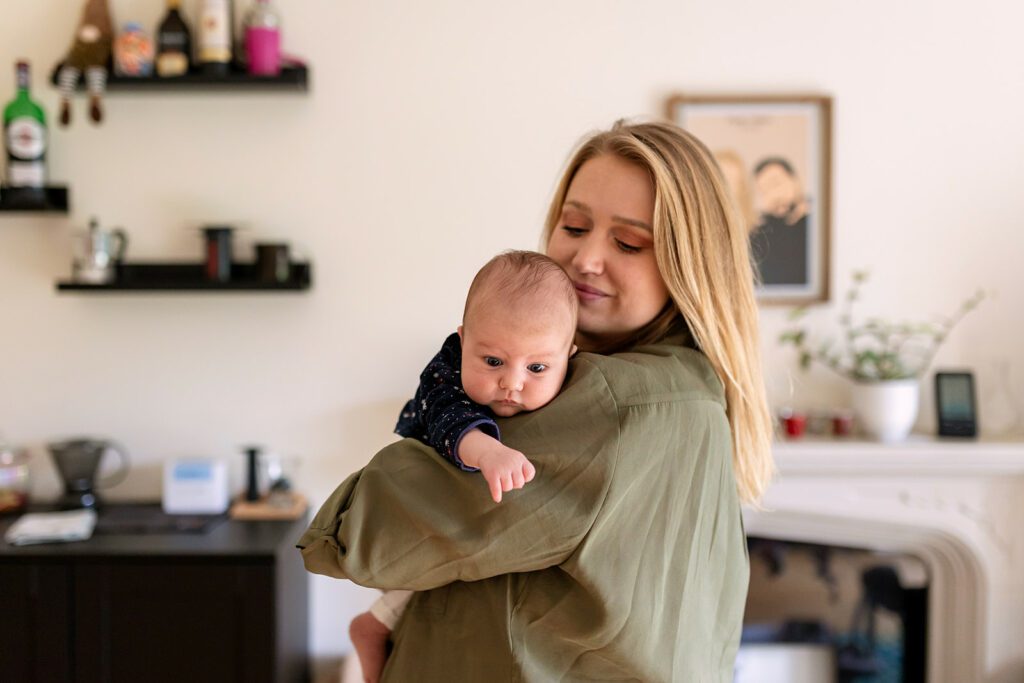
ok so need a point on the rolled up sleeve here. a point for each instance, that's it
(410, 520)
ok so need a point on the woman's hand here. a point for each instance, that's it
(504, 468)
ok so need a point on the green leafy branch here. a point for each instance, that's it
(875, 350)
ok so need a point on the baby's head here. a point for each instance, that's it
(517, 332)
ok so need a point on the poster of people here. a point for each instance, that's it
(775, 153)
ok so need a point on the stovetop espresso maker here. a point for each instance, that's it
(77, 461)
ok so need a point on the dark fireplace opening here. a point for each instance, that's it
(831, 614)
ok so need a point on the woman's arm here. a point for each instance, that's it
(410, 520)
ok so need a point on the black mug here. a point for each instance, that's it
(272, 265)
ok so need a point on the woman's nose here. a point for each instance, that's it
(589, 258)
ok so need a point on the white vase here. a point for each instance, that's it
(886, 410)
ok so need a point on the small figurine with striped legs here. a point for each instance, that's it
(89, 55)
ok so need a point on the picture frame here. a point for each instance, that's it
(775, 151)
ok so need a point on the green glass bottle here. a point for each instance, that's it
(25, 136)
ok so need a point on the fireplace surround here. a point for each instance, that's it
(956, 505)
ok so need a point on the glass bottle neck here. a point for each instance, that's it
(23, 80)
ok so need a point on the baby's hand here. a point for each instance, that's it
(504, 468)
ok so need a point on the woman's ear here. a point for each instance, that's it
(573, 350)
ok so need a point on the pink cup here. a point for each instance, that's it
(263, 50)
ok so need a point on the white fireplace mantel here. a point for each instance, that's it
(954, 504)
(917, 456)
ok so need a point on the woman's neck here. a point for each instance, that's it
(596, 343)
(656, 330)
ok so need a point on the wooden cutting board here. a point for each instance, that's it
(262, 510)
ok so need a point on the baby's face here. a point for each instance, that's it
(513, 365)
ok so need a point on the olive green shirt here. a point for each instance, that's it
(623, 560)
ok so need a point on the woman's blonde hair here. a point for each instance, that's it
(702, 250)
(741, 192)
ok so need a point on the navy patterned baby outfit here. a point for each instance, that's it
(440, 413)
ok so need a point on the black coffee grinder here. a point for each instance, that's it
(77, 461)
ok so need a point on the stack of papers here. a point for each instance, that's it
(52, 527)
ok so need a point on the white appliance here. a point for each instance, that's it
(785, 663)
(196, 486)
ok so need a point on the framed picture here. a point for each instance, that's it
(776, 154)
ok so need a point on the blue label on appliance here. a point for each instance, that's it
(193, 470)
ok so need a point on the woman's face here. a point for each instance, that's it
(604, 240)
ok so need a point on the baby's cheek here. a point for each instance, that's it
(544, 395)
(477, 388)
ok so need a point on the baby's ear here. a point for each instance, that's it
(461, 338)
(573, 350)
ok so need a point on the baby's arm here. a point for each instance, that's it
(465, 433)
(440, 413)
(504, 468)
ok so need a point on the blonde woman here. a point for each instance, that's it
(625, 557)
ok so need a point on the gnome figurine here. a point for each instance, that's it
(89, 55)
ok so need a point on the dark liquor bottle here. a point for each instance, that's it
(25, 136)
(174, 43)
(216, 37)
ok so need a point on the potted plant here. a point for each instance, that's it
(884, 360)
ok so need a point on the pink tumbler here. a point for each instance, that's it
(263, 40)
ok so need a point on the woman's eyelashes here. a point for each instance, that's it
(627, 248)
(624, 247)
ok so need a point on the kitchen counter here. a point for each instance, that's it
(224, 538)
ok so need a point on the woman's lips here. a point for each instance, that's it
(587, 293)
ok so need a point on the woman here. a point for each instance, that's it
(625, 558)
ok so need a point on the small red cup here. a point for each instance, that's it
(794, 423)
(842, 423)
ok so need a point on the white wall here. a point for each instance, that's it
(431, 139)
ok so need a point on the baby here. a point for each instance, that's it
(510, 355)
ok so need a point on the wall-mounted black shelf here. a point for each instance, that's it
(191, 277)
(51, 198)
(294, 78)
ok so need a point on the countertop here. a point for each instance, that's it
(255, 540)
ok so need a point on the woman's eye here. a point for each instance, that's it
(628, 248)
(573, 232)
(536, 368)
(492, 361)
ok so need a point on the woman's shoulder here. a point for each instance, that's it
(657, 373)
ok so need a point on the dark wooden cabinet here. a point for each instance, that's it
(229, 605)
(35, 633)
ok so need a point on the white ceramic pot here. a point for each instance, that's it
(886, 410)
(785, 663)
